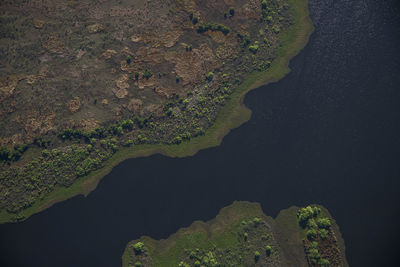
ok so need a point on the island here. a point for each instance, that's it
(242, 235)
(87, 84)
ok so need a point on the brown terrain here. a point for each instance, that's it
(81, 79)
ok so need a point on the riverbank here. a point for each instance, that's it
(232, 115)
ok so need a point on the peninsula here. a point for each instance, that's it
(242, 235)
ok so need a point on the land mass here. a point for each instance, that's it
(242, 235)
(108, 82)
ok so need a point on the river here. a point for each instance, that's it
(328, 133)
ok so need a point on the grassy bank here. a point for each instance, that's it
(232, 115)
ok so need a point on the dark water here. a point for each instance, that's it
(328, 133)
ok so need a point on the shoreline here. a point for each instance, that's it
(232, 115)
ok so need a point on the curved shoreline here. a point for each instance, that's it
(233, 114)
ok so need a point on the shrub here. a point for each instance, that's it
(231, 11)
(136, 75)
(193, 255)
(210, 76)
(246, 236)
(197, 263)
(324, 262)
(178, 140)
(138, 248)
(127, 124)
(311, 234)
(141, 122)
(244, 38)
(311, 223)
(212, 27)
(314, 244)
(304, 214)
(323, 233)
(195, 20)
(128, 59)
(253, 48)
(210, 260)
(147, 74)
(268, 250)
(21, 148)
(314, 255)
(324, 223)
(138, 264)
(264, 4)
(316, 211)
(257, 221)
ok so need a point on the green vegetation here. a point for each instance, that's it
(264, 4)
(217, 243)
(254, 48)
(138, 248)
(147, 74)
(210, 76)
(231, 11)
(220, 242)
(268, 250)
(128, 59)
(204, 27)
(315, 225)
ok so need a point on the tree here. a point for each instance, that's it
(138, 248)
(304, 214)
(264, 4)
(324, 262)
(210, 76)
(323, 233)
(231, 11)
(256, 255)
(311, 223)
(253, 48)
(268, 250)
(128, 59)
(147, 74)
(311, 234)
(5, 153)
(314, 255)
(324, 223)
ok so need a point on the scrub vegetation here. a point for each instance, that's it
(105, 80)
(320, 242)
(241, 235)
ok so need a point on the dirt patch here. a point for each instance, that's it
(74, 105)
